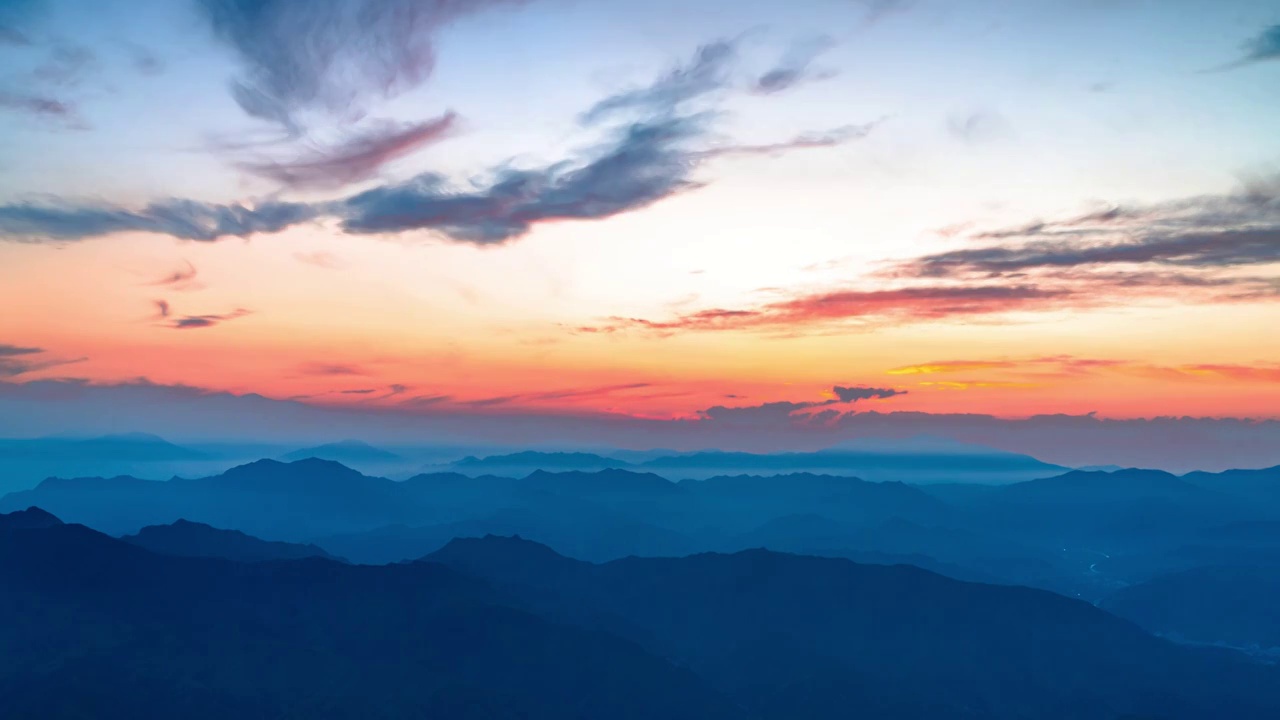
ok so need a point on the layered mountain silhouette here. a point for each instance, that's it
(500, 627)
(191, 539)
(1234, 605)
(346, 451)
(794, 636)
(111, 627)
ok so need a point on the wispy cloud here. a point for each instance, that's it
(331, 57)
(707, 73)
(18, 360)
(901, 305)
(356, 160)
(165, 317)
(796, 67)
(640, 163)
(184, 278)
(1262, 48)
(329, 369)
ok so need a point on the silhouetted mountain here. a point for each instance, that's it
(794, 636)
(523, 463)
(751, 500)
(131, 447)
(1236, 605)
(30, 519)
(1257, 485)
(111, 629)
(872, 460)
(190, 539)
(346, 451)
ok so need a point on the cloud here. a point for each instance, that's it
(323, 368)
(355, 160)
(807, 141)
(183, 219)
(319, 258)
(639, 164)
(788, 411)
(706, 73)
(17, 360)
(877, 10)
(163, 309)
(362, 391)
(979, 126)
(192, 322)
(854, 394)
(41, 106)
(951, 366)
(1195, 248)
(15, 350)
(900, 305)
(795, 67)
(644, 164)
(331, 57)
(1264, 47)
(184, 278)
(66, 65)
(572, 393)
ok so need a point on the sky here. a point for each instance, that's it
(676, 211)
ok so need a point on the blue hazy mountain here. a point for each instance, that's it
(795, 636)
(919, 460)
(111, 628)
(191, 539)
(348, 452)
(1236, 605)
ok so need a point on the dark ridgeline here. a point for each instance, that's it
(503, 627)
(112, 630)
(189, 539)
(230, 595)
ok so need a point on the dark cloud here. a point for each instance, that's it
(42, 106)
(323, 368)
(795, 67)
(15, 350)
(13, 36)
(1264, 47)
(331, 56)
(706, 73)
(184, 278)
(646, 163)
(362, 391)
(183, 219)
(191, 322)
(642, 163)
(356, 160)
(794, 412)
(854, 394)
(1196, 234)
(17, 360)
(163, 310)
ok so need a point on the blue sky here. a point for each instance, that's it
(647, 210)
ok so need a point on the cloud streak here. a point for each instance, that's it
(354, 161)
(18, 360)
(901, 305)
(706, 73)
(788, 411)
(795, 68)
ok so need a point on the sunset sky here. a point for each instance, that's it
(673, 209)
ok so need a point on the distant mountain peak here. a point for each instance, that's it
(33, 518)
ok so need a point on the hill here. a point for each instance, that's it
(191, 539)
